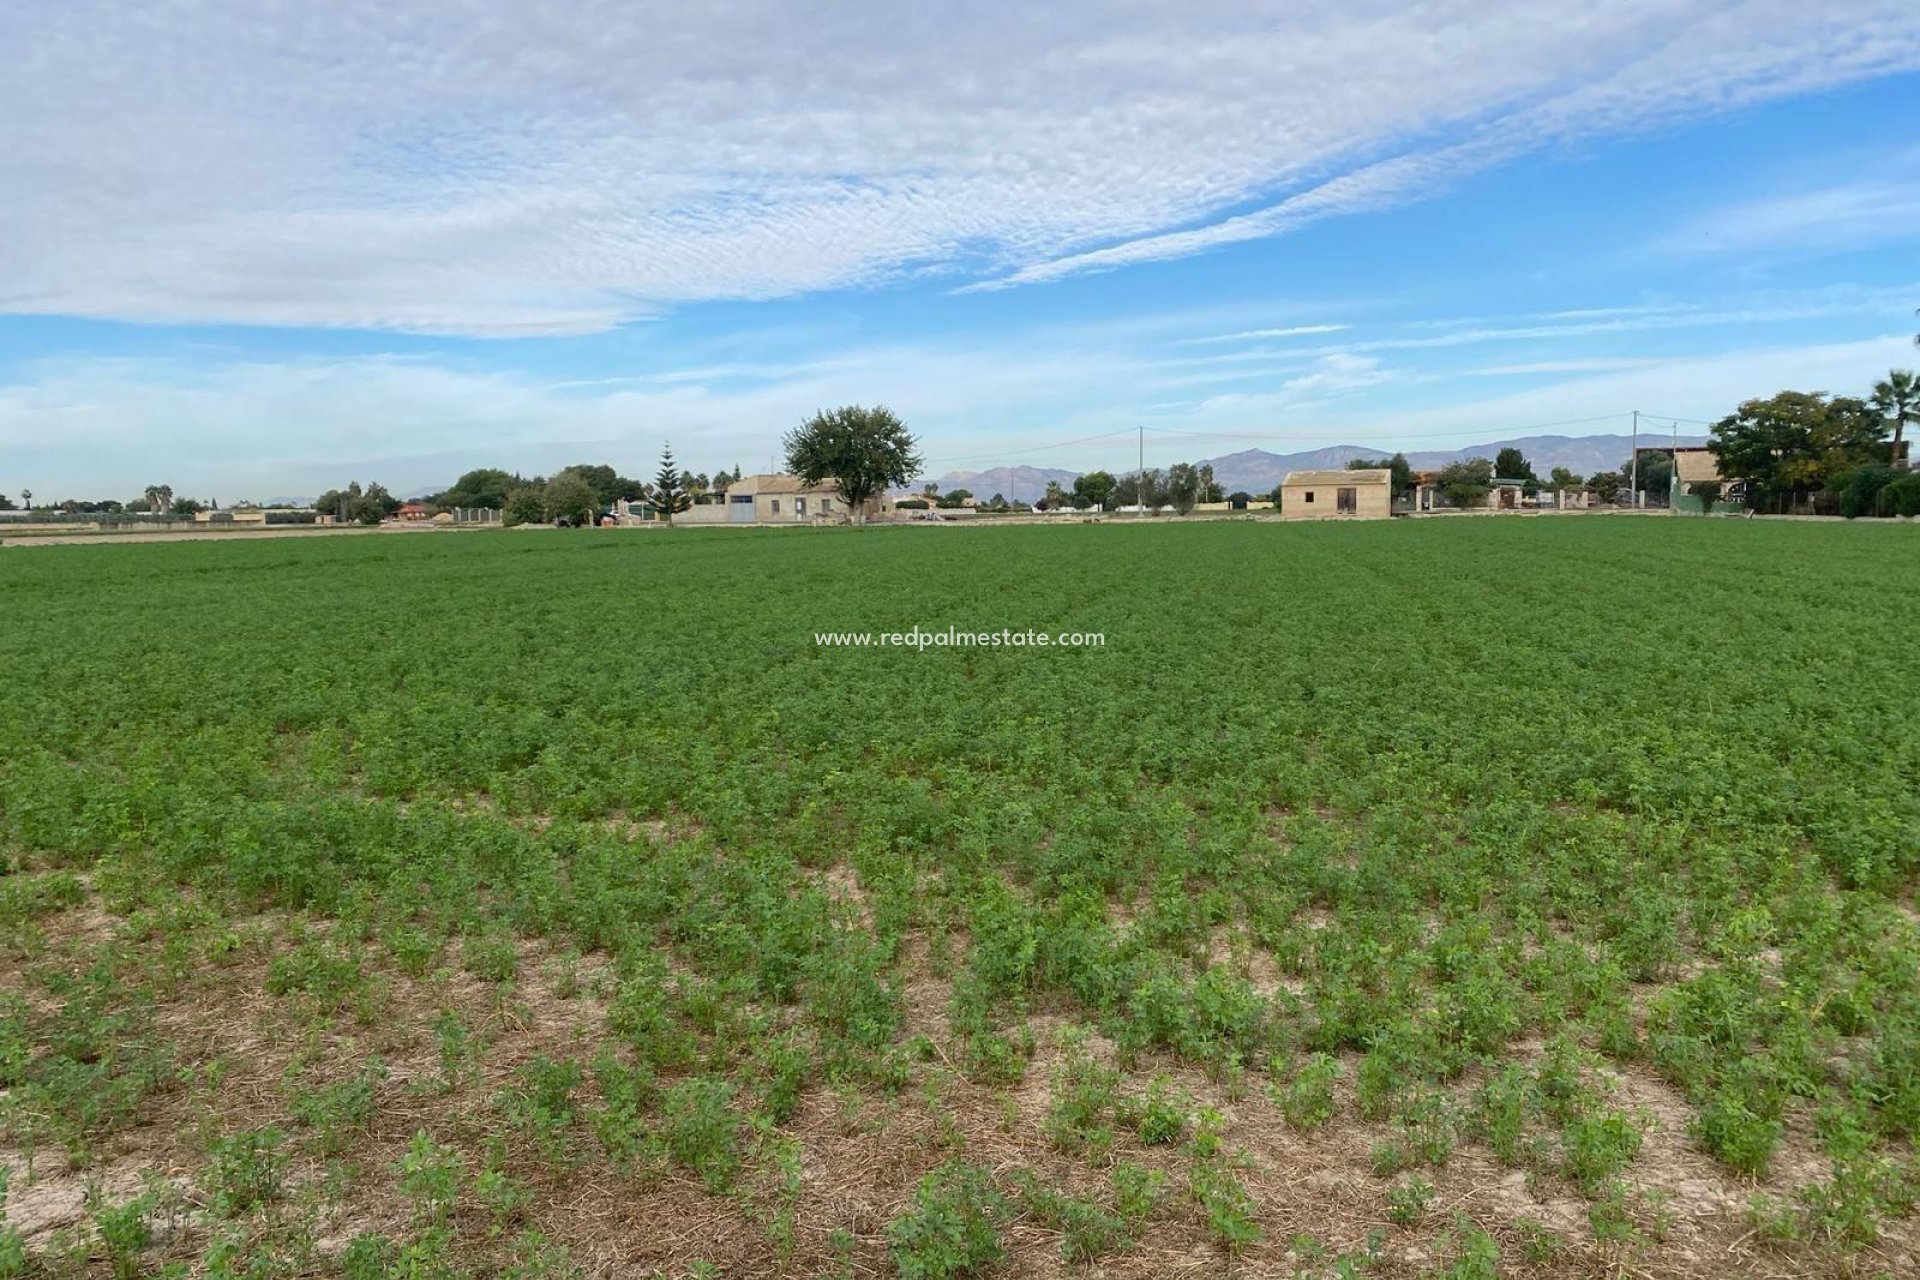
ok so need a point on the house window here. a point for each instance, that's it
(826, 505)
(774, 506)
(799, 506)
(1346, 500)
(1309, 495)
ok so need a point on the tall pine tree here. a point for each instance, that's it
(669, 493)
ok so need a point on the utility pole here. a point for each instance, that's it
(1673, 479)
(1634, 466)
(1139, 476)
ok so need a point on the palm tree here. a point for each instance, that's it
(1897, 397)
(26, 499)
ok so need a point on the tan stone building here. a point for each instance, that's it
(781, 499)
(1330, 495)
(1694, 465)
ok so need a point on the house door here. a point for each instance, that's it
(1346, 501)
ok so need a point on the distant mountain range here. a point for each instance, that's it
(1257, 470)
(1016, 484)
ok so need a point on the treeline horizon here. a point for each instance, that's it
(1791, 451)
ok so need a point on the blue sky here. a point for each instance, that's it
(250, 259)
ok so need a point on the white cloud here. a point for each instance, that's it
(1827, 304)
(1854, 215)
(1248, 335)
(482, 168)
(1579, 365)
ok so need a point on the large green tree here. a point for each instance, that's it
(483, 487)
(1897, 398)
(1183, 487)
(1796, 443)
(1511, 464)
(1564, 480)
(866, 451)
(1147, 489)
(1653, 470)
(524, 505)
(1402, 471)
(1606, 485)
(571, 498)
(1466, 483)
(669, 488)
(1093, 489)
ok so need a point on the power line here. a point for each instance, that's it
(1041, 448)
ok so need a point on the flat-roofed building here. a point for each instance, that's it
(1337, 495)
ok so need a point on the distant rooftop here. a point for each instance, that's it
(1369, 475)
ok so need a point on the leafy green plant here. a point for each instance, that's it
(1307, 1101)
(13, 1245)
(701, 1130)
(1137, 1192)
(1472, 1253)
(328, 975)
(952, 1227)
(540, 1100)
(1085, 1097)
(430, 1176)
(338, 1112)
(124, 1231)
(246, 1169)
(1160, 1117)
(1599, 1143)
(1229, 1208)
(1407, 1201)
(1742, 1139)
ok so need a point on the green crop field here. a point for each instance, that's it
(1460, 898)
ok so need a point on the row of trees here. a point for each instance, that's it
(1180, 488)
(156, 499)
(1468, 482)
(576, 494)
(1807, 449)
